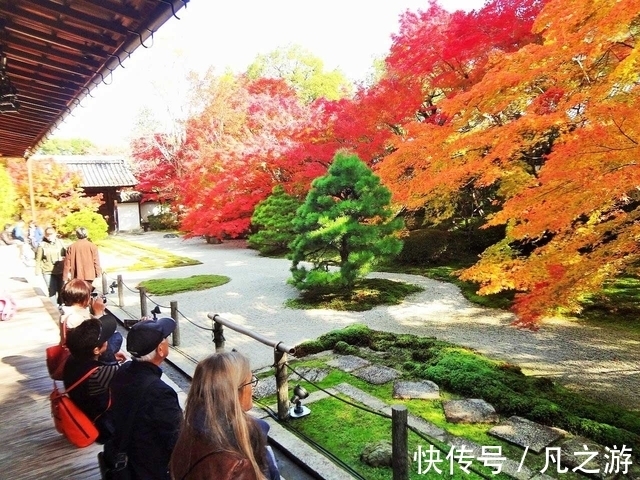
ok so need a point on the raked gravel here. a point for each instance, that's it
(600, 362)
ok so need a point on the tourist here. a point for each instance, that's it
(49, 263)
(86, 343)
(6, 238)
(79, 306)
(218, 438)
(82, 260)
(151, 431)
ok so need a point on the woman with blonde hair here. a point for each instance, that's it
(218, 439)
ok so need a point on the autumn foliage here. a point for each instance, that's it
(523, 114)
(553, 127)
(56, 190)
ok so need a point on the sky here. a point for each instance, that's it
(345, 34)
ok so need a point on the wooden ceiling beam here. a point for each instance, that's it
(39, 106)
(21, 35)
(31, 85)
(48, 100)
(78, 16)
(5, 126)
(58, 26)
(45, 60)
(54, 87)
(115, 8)
(6, 133)
(16, 66)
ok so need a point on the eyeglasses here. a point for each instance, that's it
(253, 382)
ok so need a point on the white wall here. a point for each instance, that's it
(149, 208)
(128, 216)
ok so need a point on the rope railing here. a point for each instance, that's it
(432, 441)
(399, 427)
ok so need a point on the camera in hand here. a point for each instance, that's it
(94, 295)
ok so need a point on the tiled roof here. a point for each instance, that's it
(98, 171)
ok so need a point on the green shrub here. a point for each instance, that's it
(438, 245)
(344, 348)
(95, 224)
(163, 221)
(309, 348)
(356, 334)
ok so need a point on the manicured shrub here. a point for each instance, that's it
(95, 224)
(344, 348)
(309, 348)
(356, 334)
(163, 221)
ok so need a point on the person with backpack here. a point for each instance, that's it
(50, 262)
(86, 342)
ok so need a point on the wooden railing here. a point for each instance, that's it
(280, 357)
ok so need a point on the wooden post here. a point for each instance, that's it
(105, 287)
(282, 383)
(399, 443)
(218, 336)
(176, 333)
(143, 302)
(120, 292)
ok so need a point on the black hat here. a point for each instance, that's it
(145, 336)
(108, 328)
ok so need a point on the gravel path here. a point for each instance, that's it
(602, 363)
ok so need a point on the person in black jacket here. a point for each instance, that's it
(137, 385)
(86, 343)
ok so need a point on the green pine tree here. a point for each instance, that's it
(274, 219)
(345, 226)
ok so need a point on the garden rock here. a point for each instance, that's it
(266, 386)
(526, 433)
(377, 374)
(425, 389)
(378, 454)
(170, 235)
(574, 453)
(469, 410)
(310, 374)
(348, 363)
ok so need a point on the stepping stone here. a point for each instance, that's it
(576, 445)
(311, 374)
(425, 389)
(266, 386)
(526, 433)
(469, 410)
(348, 363)
(377, 374)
